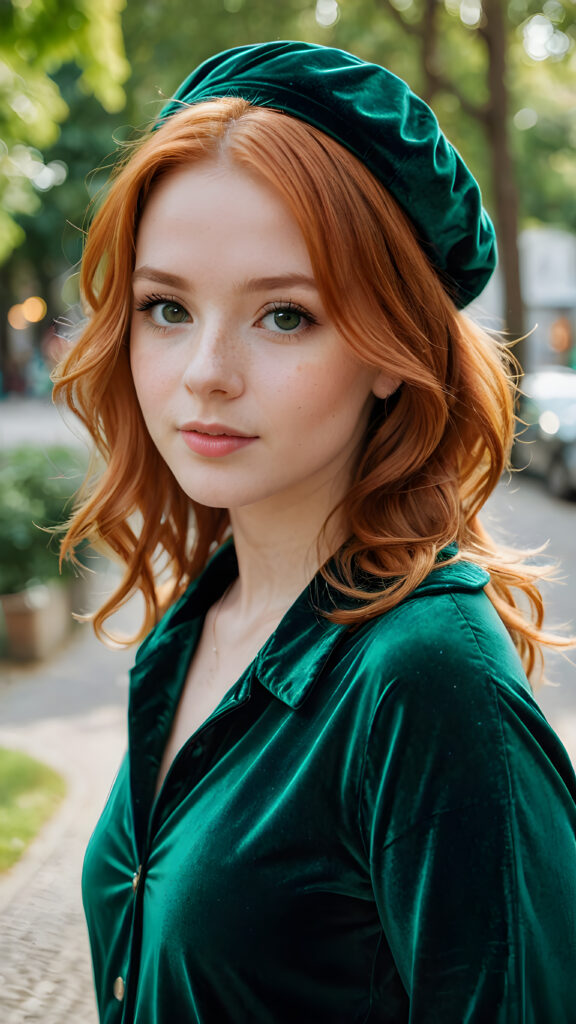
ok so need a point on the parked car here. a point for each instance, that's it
(546, 437)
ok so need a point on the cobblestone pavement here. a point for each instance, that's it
(45, 973)
(70, 713)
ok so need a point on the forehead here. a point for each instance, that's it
(213, 204)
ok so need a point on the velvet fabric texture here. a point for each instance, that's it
(377, 116)
(374, 825)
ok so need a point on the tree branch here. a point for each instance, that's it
(407, 26)
(480, 112)
(436, 81)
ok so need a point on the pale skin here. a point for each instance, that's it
(226, 341)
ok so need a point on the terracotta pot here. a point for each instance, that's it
(37, 620)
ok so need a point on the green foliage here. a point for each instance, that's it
(30, 793)
(164, 41)
(545, 152)
(390, 32)
(37, 37)
(36, 488)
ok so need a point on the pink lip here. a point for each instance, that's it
(214, 439)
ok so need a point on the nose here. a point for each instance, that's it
(214, 361)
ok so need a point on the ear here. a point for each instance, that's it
(385, 386)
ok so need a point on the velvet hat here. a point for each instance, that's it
(375, 115)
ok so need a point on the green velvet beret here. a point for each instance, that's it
(378, 118)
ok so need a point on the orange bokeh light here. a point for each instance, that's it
(16, 318)
(34, 309)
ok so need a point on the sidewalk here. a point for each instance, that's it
(37, 421)
(69, 712)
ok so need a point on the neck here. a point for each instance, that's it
(278, 557)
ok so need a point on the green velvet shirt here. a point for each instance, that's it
(373, 826)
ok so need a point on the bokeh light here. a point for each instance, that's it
(16, 318)
(549, 422)
(327, 12)
(542, 40)
(34, 309)
(525, 118)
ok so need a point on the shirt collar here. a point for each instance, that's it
(293, 656)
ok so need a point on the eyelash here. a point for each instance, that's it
(149, 301)
(288, 306)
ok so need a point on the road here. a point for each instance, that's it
(36, 421)
(522, 514)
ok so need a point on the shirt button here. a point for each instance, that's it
(119, 989)
(136, 878)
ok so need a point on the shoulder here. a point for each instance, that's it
(446, 636)
(453, 719)
(449, 698)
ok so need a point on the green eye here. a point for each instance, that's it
(171, 313)
(162, 312)
(287, 319)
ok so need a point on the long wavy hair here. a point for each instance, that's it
(432, 454)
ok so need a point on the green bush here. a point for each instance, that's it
(36, 488)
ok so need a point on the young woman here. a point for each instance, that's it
(340, 801)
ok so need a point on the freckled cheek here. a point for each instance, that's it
(152, 396)
(331, 403)
(309, 389)
(152, 380)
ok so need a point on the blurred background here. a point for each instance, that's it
(79, 79)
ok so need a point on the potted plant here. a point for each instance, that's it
(36, 487)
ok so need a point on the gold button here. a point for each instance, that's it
(119, 989)
(136, 878)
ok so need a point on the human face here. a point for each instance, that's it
(246, 386)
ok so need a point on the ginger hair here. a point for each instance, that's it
(433, 453)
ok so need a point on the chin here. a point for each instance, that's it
(212, 495)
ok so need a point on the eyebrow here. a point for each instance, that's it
(256, 284)
(253, 284)
(150, 274)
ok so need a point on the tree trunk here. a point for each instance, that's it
(503, 174)
(4, 352)
(429, 48)
(494, 119)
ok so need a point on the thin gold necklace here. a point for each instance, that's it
(216, 614)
